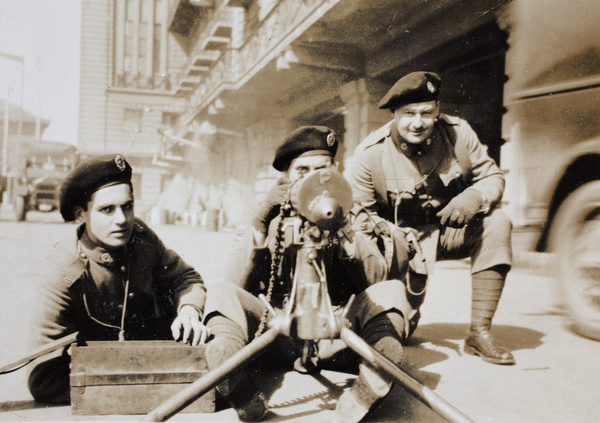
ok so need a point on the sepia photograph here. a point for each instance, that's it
(300, 211)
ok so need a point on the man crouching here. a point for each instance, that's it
(111, 279)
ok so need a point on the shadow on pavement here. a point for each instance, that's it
(10, 406)
(446, 334)
(427, 345)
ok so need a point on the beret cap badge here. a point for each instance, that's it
(330, 139)
(120, 162)
(430, 87)
(305, 140)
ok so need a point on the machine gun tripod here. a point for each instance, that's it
(320, 205)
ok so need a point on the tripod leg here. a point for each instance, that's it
(188, 395)
(424, 394)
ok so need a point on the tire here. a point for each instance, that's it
(575, 241)
(21, 208)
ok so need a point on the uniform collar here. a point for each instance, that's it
(89, 250)
(408, 149)
(66, 258)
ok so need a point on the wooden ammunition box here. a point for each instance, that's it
(135, 377)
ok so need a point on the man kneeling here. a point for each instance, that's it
(381, 312)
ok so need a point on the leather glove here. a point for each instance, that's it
(461, 209)
(269, 207)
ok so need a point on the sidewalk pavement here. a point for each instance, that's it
(299, 398)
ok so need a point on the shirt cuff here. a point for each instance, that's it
(485, 205)
(198, 309)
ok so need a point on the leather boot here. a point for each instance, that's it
(368, 388)
(486, 292)
(238, 389)
(384, 333)
(480, 341)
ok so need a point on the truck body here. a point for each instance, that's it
(552, 153)
(44, 166)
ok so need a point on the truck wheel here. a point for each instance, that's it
(20, 208)
(575, 239)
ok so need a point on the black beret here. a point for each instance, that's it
(416, 87)
(313, 139)
(89, 177)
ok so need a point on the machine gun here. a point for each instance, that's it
(314, 216)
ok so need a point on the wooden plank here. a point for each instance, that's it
(133, 377)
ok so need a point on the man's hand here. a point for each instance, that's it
(461, 209)
(189, 319)
(274, 198)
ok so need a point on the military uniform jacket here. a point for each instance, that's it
(363, 271)
(160, 282)
(345, 275)
(408, 185)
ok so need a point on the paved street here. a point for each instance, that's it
(555, 379)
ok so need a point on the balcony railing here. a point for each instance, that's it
(242, 58)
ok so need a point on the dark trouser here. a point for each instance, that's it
(486, 240)
(49, 380)
(246, 311)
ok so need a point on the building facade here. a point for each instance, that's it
(197, 93)
(128, 66)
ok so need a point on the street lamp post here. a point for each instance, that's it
(5, 172)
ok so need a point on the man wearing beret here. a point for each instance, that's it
(356, 266)
(429, 171)
(111, 279)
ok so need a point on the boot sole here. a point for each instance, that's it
(474, 351)
(361, 409)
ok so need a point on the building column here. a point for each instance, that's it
(360, 116)
(513, 166)
(164, 39)
(135, 38)
(120, 18)
(150, 41)
(150, 187)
